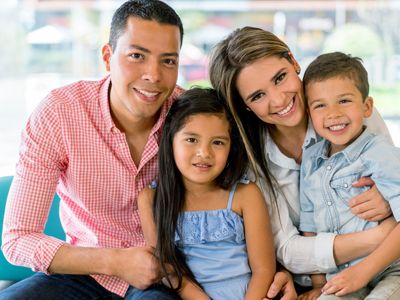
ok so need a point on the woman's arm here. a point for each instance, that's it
(259, 241)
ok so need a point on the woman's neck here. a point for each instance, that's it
(290, 139)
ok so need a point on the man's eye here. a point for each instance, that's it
(170, 61)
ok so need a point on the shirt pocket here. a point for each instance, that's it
(343, 188)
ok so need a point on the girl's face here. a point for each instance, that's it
(271, 88)
(201, 148)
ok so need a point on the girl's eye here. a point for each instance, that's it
(280, 78)
(318, 106)
(191, 140)
(219, 143)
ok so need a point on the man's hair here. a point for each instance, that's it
(152, 10)
(338, 64)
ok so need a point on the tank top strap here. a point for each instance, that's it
(231, 193)
(244, 180)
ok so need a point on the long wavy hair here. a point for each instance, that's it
(170, 192)
(241, 48)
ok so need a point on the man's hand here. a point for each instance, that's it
(283, 286)
(369, 205)
(137, 266)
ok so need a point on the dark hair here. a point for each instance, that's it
(339, 64)
(170, 192)
(144, 9)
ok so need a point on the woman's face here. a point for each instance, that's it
(271, 88)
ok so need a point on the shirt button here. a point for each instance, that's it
(346, 265)
(329, 168)
(346, 185)
(329, 203)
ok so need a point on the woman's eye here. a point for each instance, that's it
(256, 97)
(280, 78)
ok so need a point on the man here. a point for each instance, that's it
(96, 144)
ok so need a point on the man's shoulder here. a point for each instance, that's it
(78, 91)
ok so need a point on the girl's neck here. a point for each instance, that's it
(290, 139)
(204, 197)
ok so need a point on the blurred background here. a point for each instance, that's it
(49, 43)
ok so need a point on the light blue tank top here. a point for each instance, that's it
(214, 245)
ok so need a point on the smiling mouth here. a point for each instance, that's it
(287, 109)
(337, 127)
(147, 93)
(202, 165)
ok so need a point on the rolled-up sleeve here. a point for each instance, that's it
(31, 193)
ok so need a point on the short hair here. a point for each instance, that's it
(339, 64)
(144, 9)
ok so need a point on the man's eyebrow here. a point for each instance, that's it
(133, 46)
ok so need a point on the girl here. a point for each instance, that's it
(202, 211)
(258, 76)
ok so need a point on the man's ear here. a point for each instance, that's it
(106, 52)
(368, 106)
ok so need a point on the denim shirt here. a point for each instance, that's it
(326, 184)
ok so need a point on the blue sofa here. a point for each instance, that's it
(10, 272)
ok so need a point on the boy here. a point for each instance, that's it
(336, 89)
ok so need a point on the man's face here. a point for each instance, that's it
(143, 68)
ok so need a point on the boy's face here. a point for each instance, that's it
(337, 110)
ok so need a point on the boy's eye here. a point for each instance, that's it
(342, 101)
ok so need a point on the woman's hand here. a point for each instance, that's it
(282, 285)
(369, 205)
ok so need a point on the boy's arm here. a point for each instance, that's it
(259, 241)
(357, 276)
(189, 290)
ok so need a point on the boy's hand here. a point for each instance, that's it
(369, 205)
(282, 285)
(311, 295)
(346, 282)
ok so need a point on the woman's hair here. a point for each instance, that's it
(241, 48)
(170, 192)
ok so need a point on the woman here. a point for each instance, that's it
(258, 76)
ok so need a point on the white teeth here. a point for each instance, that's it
(337, 127)
(286, 110)
(148, 94)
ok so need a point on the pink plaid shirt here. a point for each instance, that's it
(71, 145)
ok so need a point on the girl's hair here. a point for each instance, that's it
(241, 48)
(170, 192)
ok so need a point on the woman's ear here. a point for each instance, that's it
(294, 63)
(368, 106)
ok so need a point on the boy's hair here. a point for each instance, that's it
(144, 9)
(170, 193)
(339, 64)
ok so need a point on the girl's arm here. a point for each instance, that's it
(357, 276)
(259, 241)
(189, 290)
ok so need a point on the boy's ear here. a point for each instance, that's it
(368, 106)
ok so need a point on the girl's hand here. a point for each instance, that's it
(347, 281)
(282, 285)
(311, 295)
(369, 205)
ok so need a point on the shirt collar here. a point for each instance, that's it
(351, 152)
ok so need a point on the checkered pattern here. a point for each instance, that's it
(71, 145)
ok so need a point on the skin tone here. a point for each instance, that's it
(277, 98)
(200, 150)
(337, 110)
(143, 68)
